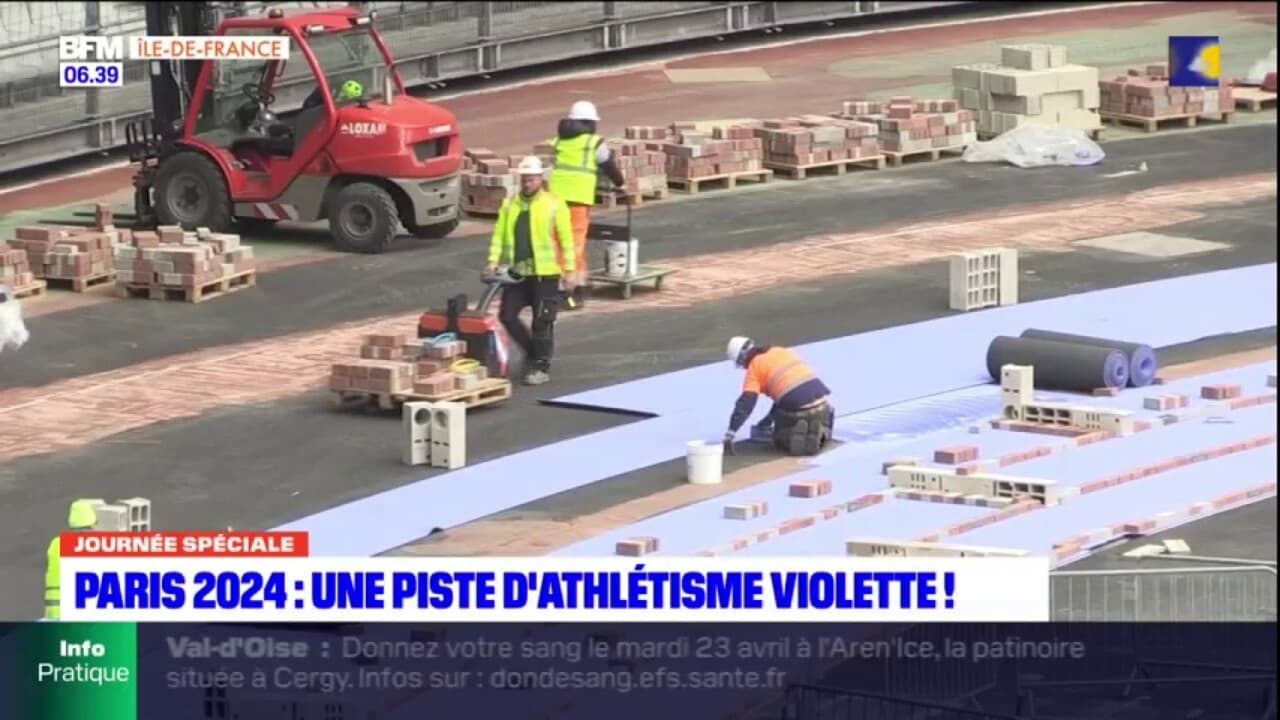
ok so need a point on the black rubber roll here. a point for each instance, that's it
(1059, 365)
(1142, 358)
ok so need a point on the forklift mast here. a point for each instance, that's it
(169, 90)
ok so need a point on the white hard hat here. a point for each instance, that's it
(584, 110)
(531, 165)
(737, 346)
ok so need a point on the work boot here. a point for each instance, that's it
(537, 377)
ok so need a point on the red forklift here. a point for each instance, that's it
(359, 152)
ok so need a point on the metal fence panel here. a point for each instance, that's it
(432, 41)
(1192, 594)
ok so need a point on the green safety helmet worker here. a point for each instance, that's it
(82, 516)
(351, 90)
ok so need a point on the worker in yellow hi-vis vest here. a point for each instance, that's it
(80, 517)
(580, 156)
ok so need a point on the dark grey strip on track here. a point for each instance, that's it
(423, 274)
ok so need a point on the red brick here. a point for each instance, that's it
(1220, 392)
(956, 454)
(393, 341)
(810, 488)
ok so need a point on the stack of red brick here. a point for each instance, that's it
(642, 161)
(15, 269)
(395, 365)
(74, 254)
(487, 180)
(725, 150)
(171, 258)
(1146, 93)
(814, 140)
(908, 126)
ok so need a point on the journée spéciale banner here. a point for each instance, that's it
(269, 577)
(588, 671)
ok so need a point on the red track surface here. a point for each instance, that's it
(512, 120)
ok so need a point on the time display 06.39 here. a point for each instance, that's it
(90, 74)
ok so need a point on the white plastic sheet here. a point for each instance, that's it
(1038, 146)
(1258, 72)
(13, 332)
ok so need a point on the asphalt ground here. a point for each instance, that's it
(421, 274)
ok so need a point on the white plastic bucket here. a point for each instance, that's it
(705, 461)
(633, 257)
(617, 258)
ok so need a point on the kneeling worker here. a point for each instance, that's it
(524, 238)
(802, 417)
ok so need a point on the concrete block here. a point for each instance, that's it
(868, 547)
(111, 518)
(1176, 546)
(1057, 56)
(636, 547)
(1017, 104)
(1017, 388)
(139, 513)
(1008, 276)
(810, 488)
(1025, 57)
(448, 435)
(919, 478)
(415, 422)
(1271, 381)
(746, 511)
(898, 461)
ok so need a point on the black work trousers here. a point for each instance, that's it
(542, 294)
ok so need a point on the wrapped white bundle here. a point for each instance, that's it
(13, 332)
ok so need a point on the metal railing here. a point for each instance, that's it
(41, 122)
(1184, 594)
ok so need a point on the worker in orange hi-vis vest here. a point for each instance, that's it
(802, 418)
(580, 156)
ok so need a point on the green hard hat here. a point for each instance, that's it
(351, 90)
(82, 515)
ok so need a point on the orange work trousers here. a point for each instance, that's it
(580, 219)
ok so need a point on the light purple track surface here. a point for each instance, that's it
(886, 366)
(854, 470)
(697, 401)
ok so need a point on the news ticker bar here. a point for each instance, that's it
(123, 671)
(87, 48)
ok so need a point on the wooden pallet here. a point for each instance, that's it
(831, 167)
(646, 273)
(34, 289)
(728, 181)
(898, 159)
(488, 392)
(609, 201)
(1152, 124)
(80, 284)
(1252, 99)
(208, 291)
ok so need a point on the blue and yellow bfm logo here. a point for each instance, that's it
(1194, 61)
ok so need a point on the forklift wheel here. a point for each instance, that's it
(362, 218)
(191, 192)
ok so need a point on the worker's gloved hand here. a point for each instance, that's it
(728, 443)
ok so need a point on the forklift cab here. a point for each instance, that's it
(272, 119)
